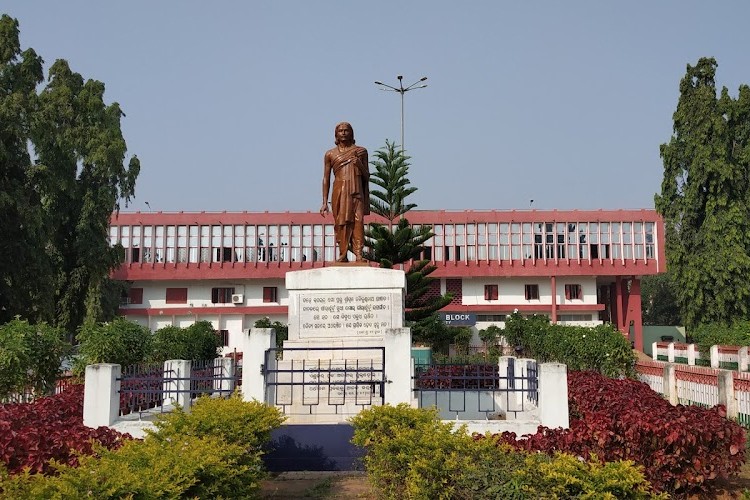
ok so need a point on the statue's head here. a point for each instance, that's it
(343, 125)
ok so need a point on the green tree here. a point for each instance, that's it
(402, 243)
(24, 277)
(65, 175)
(391, 167)
(659, 300)
(121, 342)
(704, 199)
(30, 357)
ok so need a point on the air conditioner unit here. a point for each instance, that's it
(238, 298)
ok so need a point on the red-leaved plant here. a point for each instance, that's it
(680, 447)
(52, 427)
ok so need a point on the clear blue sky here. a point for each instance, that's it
(231, 105)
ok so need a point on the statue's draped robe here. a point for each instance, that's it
(350, 185)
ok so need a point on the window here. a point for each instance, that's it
(574, 317)
(573, 292)
(490, 292)
(270, 294)
(491, 317)
(223, 337)
(176, 295)
(133, 296)
(222, 295)
(531, 292)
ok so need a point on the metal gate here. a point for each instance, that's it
(324, 381)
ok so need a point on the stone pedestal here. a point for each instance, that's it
(338, 358)
(344, 306)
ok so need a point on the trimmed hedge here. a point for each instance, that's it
(413, 455)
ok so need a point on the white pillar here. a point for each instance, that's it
(254, 346)
(654, 351)
(224, 371)
(670, 352)
(714, 356)
(177, 382)
(691, 354)
(742, 359)
(553, 395)
(726, 393)
(397, 367)
(101, 395)
(670, 384)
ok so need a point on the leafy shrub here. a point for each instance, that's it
(185, 467)
(195, 342)
(601, 348)
(461, 337)
(213, 452)
(680, 447)
(245, 423)
(411, 454)
(717, 334)
(32, 434)
(120, 341)
(30, 358)
(565, 476)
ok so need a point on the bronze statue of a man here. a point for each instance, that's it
(350, 199)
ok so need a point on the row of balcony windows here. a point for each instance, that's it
(451, 242)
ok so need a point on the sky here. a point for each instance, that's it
(230, 105)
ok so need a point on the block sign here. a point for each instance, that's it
(458, 319)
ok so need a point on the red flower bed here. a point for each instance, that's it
(33, 433)
(680, 447)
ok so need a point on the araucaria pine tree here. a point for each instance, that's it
(398, 242)
(705, 199)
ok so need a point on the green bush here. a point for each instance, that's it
(198, 341)
(120, 341)
(461, 338)
(410, 453)
(213, 452)
(565, 476)
(30, 357)
(601, 348)
(413, 455)
(245, 423)
(717, 334)
(184, 467)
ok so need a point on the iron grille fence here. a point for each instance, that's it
(142, 387)
(324, 380)
(479, 390)
(149, 386)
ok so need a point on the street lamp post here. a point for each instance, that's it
(402, 90)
